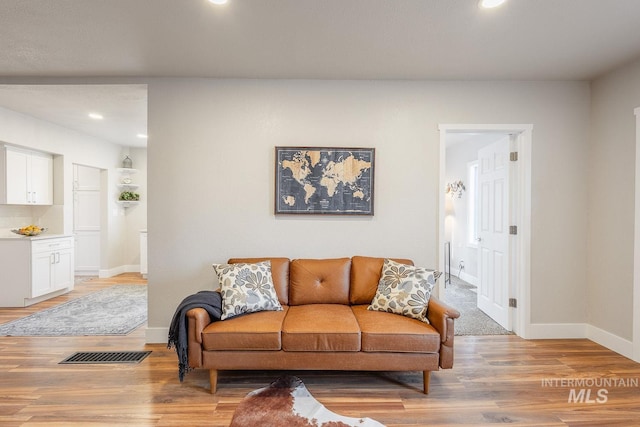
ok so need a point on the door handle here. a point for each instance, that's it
(478, 239)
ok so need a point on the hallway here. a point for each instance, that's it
(472, 321)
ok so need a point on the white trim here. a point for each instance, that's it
(581, 331)
(104, 274)
(472, 205)
(441, 204)
(635, 354)
(472, 280)
(156, 335)
(610, 341)
(522, 322)
(86, 272)
(36, 300)
(557, 331)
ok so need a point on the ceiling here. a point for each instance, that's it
(123, 107)
(315, 39)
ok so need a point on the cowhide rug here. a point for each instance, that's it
(287, 402)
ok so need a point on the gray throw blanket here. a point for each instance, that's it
(178, 336)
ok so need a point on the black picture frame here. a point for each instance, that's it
(324, 180)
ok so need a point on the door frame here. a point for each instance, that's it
(521, 263)
(636, 250)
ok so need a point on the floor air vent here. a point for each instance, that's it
(95, 357)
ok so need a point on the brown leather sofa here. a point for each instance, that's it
(324, 325)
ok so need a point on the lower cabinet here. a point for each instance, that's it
(33, 269)
(52, 265)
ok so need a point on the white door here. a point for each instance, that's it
(86, 218)
(493, 231)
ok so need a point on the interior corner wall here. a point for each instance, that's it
(136, 215)
(611, 200)
(211, 176)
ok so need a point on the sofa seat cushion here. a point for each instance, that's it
(382, 332)
(254, 331)
(320, 327)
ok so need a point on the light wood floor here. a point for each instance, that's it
(496, 379)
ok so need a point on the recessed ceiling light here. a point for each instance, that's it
(488, 4)
(218, 1)
(96, 116)
(142, 135)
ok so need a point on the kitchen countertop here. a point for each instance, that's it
(43, 236)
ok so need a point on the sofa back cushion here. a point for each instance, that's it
(319, 281)
(365, 275)
(279, 273)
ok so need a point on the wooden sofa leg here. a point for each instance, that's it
(213, 379)
(427, 377)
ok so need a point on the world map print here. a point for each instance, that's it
(324, 180)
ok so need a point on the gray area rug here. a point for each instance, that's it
(117, 310)
(472, 321)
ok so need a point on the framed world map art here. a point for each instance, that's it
(324, 180)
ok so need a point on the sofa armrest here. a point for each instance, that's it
(197, 319)
(441, 317)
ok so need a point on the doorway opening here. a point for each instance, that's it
(485, 226)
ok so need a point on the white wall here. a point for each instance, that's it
(611, 200)
(26, 131)
(211, 176)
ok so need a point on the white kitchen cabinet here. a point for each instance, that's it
(52, 265)
(36, 269)
(26, 177)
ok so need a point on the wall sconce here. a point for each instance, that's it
(455, 189)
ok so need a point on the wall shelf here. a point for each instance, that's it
(126, 185)
(127, 171)
(128, 203)
(129, 186)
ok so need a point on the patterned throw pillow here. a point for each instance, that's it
(246, 288)
(404, 289)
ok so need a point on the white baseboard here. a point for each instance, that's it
(103, 274)
(86, 272)
(606, 339)
(557, 331)
(612, 342)
(157, 335)
(472, 280)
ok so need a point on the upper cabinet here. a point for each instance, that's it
(26, 177)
